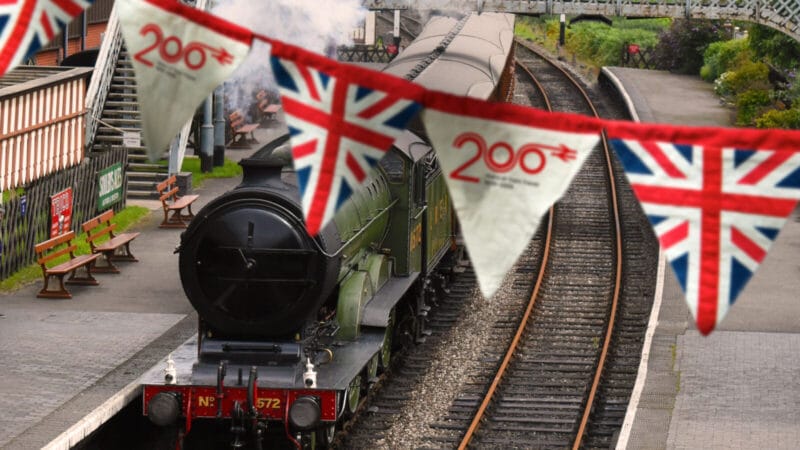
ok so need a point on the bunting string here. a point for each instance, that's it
(716, 197)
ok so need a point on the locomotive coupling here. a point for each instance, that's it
(310, 375)
(170, 374)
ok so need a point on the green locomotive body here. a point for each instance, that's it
(313, 319)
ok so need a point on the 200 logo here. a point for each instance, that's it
(501, 157)
(172, 50)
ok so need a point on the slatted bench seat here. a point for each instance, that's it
(114, 247)
(271, 112)
(240, 130)
(173, 204)
(267, 110)
(58, 246)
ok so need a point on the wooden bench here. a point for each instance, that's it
(267, 110)
(174, 204)
(59, 246)
(271, 112)
(100, 235)
(240, 130)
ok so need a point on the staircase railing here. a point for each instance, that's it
(101, 78)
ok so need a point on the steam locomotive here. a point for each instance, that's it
(292, 328)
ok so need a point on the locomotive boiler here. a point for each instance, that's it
(293, 328)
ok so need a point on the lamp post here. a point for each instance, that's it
(728, 26)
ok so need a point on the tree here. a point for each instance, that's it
(681, 47)
(774, 47)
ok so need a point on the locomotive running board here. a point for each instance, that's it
(376, 311)
(349, 358)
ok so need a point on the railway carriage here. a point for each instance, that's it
(292, 329)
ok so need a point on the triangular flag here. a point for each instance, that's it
(26, 26)
(180, 54)
(505, 165)
(342, 120)
(716, 198)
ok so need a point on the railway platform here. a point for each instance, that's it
(739, 387)
(69, 365)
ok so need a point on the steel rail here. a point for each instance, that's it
(475, 424)
(403, 27)
(618, 280)
(538, 85)
(512, 348)
(614, 302)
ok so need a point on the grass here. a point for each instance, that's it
(191, 164)
(124, 220)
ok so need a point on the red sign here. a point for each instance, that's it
(633, 48)
(61, 212)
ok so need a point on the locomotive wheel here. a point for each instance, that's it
(372, 368)
(386, 345)
(353, 395)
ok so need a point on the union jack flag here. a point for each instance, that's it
(715, 206)
(342, 120)
(27, 25)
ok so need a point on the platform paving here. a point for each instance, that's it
(63, 361)
(739, 387)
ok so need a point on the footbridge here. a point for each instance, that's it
(783, 15)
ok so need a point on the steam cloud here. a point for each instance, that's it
(315, 25)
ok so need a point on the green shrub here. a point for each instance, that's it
(593, 43)
(786, 119)
(601, 45)
(723, 56)
(530, 29)
(751, 104)
(749, 76)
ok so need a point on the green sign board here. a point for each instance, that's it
(109, 181)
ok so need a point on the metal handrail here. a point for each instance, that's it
(104, 68)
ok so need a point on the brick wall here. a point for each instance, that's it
(93, 40)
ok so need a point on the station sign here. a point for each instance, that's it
(109, 182)
(61, 212)
(131, 139)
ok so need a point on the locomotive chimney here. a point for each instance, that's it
(264, 167)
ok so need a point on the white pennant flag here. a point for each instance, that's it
(180, 54)
(505, 165)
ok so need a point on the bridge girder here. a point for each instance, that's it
(782, 15)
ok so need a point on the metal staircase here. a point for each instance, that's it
(113, 109)
(121, 113)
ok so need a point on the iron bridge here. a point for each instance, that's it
(782, 15)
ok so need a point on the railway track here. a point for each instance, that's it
(410, 24)
(543, 392)
(543, 400)
(562, 383)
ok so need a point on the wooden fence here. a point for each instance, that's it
(640, 58)
(41, 123)
(21, 230)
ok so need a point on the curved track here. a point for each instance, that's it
(554, 392)
(563, 351)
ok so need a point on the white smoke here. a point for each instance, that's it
(315, 25)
